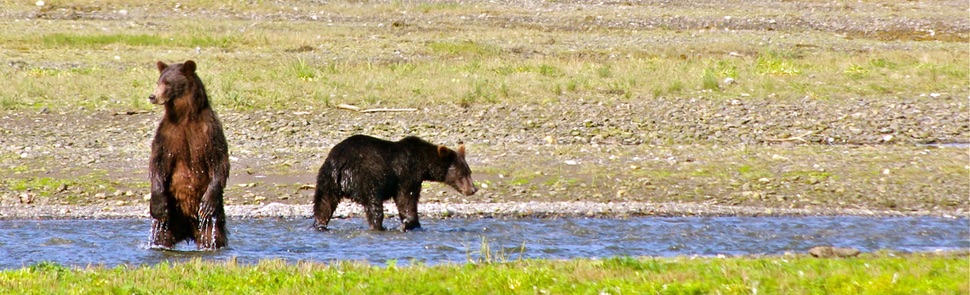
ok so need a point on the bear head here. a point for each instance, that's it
(459, 176)
(174, 81)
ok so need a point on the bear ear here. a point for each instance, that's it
(461, 150)
(161, 66)
(188, 67)
(442, 151)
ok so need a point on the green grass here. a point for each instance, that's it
(298, 80)
(45, 186)
(463, 48)
(432, 56)
(72, 184)
(61, 40)
(872, 274)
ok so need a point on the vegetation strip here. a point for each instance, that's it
(881, 273)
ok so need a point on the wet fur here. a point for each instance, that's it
(370, 171)
(189, 164)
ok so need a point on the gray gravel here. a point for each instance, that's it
(637, 152)
(476, 210)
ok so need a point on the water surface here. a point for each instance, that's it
(125, 241)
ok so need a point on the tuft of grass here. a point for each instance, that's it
(604, 71)
(464, 48)
(478, 92)
(303, 71)
(437, 7)
(45, 186)
(48, 267)
(73, 40)
(572, 85)
(10, 102)
(519, 181)
(675, 87)
(752, 172)
(549, 70)
(772, 63)
(855, 71)
(486, 255)
(709, 81)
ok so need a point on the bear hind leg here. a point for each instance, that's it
(375, 215)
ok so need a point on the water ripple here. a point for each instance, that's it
(125, 241)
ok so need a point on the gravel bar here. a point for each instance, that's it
(474, 210)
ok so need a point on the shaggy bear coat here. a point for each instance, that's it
(369, 171)
(189, 163)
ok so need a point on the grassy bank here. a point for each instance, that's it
(298, 55)
(871, 274)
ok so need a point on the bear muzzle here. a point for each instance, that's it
(154, 99)
(467, 188)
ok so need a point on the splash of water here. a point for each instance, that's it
(207, 233)
(158, 228)
(207, 227)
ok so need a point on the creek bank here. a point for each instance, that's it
(530, 209)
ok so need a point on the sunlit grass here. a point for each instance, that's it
(872, 274)
(295, 80)
(433, 56)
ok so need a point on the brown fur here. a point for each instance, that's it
(189, 164)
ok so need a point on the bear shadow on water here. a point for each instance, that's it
(370, 171)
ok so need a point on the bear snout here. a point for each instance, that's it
(468, 188)
(157, 99)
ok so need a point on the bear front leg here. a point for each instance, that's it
(407, 207)
(159, 174)
(161, 235)
(211, 216)
(375, 215)
(211, 233)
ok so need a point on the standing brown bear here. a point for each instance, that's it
(189, 163)
(370, 171)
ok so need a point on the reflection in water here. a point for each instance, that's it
(125, 241)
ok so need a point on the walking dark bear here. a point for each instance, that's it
(370, 171)
(189, 163)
